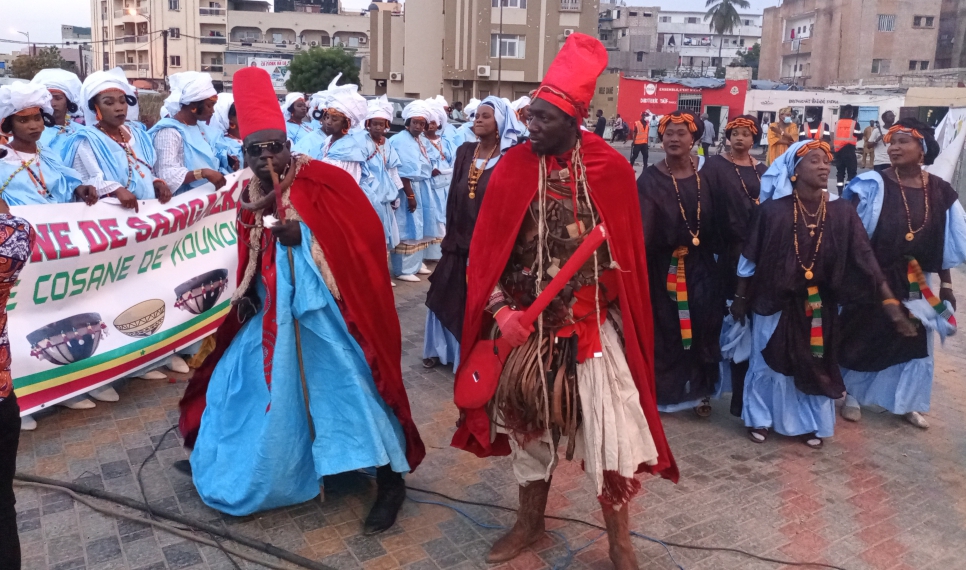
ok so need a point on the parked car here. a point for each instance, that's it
(398, 104)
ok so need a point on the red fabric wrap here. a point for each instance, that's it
(512, 187)
(255, 102)
(573, 74)
(350, 234)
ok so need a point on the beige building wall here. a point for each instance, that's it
(843, 40)
(423, 48)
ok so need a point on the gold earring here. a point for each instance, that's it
(794, 177)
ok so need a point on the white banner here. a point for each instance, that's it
(276, 68)
(108, 291)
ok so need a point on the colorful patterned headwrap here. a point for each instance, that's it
(809, 147)
(695, 127)
(887, 138)
(744, 121)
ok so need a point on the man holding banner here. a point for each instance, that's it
(305, 379)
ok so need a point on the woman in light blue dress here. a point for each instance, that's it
(442, 154)
(380, 174)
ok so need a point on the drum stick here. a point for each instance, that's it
(276, 185)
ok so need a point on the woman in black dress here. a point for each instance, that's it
(497, 129)
(909, 215)
(735, 177)
(804, 257)
(681, 238)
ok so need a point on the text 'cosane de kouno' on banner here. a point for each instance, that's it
(108, 291)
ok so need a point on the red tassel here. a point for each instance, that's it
(618, 490)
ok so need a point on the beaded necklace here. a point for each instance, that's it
(821, 213)
(738, 172)
(421, 149)
(37, 179)
(677, 192)
(438, 146)
(473, 179)
(911, 234)
(133, 162)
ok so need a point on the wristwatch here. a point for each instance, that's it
(945, 285)
(198, 173)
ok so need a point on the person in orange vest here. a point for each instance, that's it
(640, 133)
(847, 133)
(813, 128)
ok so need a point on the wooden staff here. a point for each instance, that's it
(280, 214)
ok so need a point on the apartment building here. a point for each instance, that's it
(815, 43)
(630, 34)
(128, 34)
(470, 48)
(255, 32)
(699, 51)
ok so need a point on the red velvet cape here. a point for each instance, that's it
(350, 234)
(512, 187)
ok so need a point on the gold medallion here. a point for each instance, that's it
(472, 195)
(809, 274)
(696, 241)
(910, 236)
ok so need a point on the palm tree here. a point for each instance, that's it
(724, 18)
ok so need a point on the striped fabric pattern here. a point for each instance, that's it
(813, 308)
(919, 289)
(677, 288)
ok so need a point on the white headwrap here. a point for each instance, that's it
(134, 111)
(290, 99)
(163, 113)
(346, 100)
(418, 108)
(380, 108)
(219, 119)
(188, 87)
(63, 81)
(508, 127)
(776, 182)
(470, 109)
(437, 105)
(19, 96)
(98, 82)
(520, 103)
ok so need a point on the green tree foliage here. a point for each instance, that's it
(750, 59)
(26, 66)
(724, 18)
(313, 69)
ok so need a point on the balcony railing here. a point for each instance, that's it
(134, 66)
(214, 40)
(570, 5)
(130, 12)
(213, 68)
(132, 39)
(212, 11)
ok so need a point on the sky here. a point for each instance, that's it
(35, 17)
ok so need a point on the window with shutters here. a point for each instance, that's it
(887, 22)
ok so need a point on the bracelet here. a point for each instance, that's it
(887, 302)
(945, 285)
(198, 173)
(410, 195)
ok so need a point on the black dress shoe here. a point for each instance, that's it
(390, 495)
(184, 466)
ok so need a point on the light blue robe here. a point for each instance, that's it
(349, 148)
(60, 179)
(904, 387)
(464, 134)
(444, 163)
(56, 138)
(380, 187)
(253, 451)
(112, 159)
(197, 149)
(297, 132)
(427, 222)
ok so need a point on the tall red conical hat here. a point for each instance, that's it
(572, 77)
(255, 102)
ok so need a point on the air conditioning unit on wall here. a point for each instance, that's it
(457, 82)
(395, 76)
(568, 31)
(482, 70)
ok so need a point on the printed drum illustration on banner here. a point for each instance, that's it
(141, 320)
(68, 340)
(199, 294)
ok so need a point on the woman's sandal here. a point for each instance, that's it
(758, 435)
(430, 362)
(703, 409)
(812, 441)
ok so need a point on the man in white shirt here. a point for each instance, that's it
(880, 148)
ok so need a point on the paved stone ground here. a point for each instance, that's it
(881, 495)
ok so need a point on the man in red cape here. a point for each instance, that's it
(305, 380)
(581, 182)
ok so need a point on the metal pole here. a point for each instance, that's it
(164, 54)
(499, 54)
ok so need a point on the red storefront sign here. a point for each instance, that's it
(637, 95)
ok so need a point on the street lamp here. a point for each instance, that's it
(29, 47)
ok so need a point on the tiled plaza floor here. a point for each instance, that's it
(882, 494)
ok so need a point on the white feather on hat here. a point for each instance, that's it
(346, 100)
